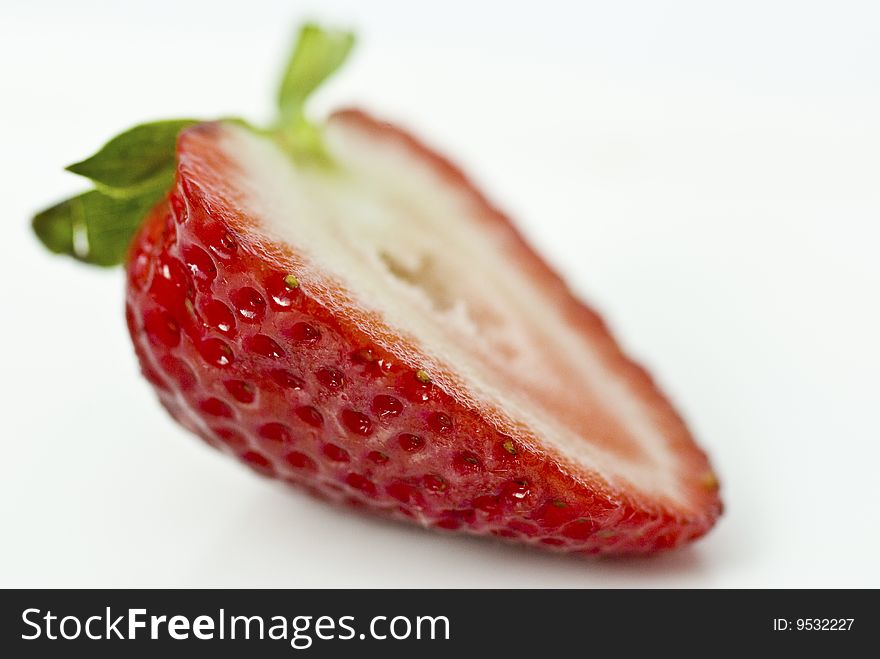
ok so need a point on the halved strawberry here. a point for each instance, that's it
(339, 307)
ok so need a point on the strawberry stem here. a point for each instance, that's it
(317, 55)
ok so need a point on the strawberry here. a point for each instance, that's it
(338, 307)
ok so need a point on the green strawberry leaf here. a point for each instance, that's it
(135, 169)
(141, 158)
(93, 227)
(131, 173)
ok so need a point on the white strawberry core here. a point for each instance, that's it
(388, 234)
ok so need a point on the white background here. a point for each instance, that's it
(708, 174)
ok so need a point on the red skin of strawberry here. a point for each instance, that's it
(266, 372)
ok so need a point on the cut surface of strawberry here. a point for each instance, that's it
(378, 333)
